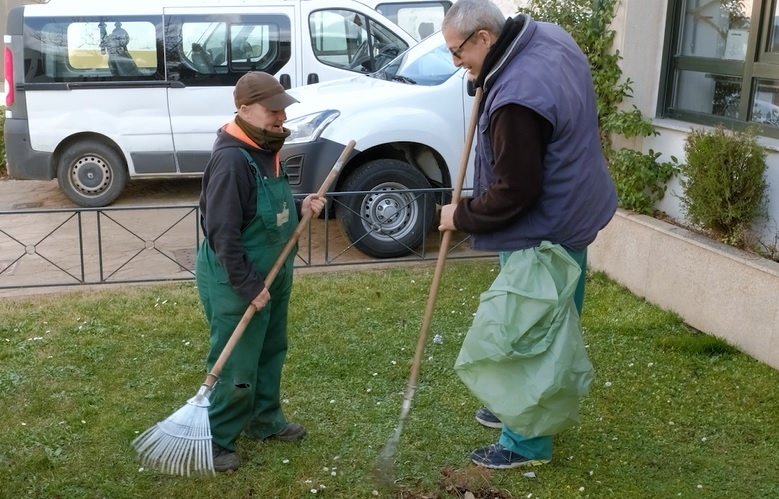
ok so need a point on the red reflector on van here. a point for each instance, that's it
(9, 77)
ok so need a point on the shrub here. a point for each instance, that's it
(640, 179)
(724, 182)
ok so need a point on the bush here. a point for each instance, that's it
(640, 179)
(724, 182)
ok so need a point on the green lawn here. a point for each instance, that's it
(671, 413)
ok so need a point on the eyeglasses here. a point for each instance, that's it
(459, 50)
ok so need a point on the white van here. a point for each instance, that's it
(99, 92)
(409, 122)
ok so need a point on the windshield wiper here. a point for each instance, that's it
(404, 79)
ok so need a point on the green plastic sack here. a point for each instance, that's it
(524, 355)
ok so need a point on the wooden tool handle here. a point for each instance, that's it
(250, 310)
(444, 248)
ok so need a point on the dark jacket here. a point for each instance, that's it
(228, 203)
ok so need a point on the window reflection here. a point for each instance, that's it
(708, 93)
(773, 44)
(764, 103)
(717, 29)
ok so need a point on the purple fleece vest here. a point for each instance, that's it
(545, 70)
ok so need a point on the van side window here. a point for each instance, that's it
(349, 40)
(218, 49)
(91, 49)
(202, 47)
(254, 47)
(419, 19)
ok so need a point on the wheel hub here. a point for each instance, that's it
(389, 212)
(386, 209)
(90, 175)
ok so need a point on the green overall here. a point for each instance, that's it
(246, 397)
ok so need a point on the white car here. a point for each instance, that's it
(408, 120)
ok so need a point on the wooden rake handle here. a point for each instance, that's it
(439, 267)
(213, 375)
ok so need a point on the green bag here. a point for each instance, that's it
(524, 355)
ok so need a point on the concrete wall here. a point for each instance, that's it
(713, 287)
(640, 28)
(509, 6)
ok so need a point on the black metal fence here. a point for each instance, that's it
(79, 246)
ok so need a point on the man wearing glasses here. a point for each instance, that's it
(542, 191)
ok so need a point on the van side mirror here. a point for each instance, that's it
(471, 88)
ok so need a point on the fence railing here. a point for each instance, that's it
(78, 246)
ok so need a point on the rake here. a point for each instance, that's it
(385, 468)
(182, 442)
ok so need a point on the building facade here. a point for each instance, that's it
(700, 63)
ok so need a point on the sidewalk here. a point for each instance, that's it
(40, 245)
(46, 194)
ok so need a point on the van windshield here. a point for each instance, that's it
(427, 63)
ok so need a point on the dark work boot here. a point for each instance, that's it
(224, 459)
(290, 433)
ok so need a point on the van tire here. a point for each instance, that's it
(385, 223)
(91, 174)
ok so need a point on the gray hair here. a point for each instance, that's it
(467, 16)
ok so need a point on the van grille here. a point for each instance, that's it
(294, 167)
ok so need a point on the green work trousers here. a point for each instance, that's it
(247, 395)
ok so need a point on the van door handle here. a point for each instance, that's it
(285, 81)
(312, 78)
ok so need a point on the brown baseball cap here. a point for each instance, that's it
(262, 88)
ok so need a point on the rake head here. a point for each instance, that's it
(182, 443)
(385, 466)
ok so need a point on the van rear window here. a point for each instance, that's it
(91, 49)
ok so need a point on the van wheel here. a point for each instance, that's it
(91, 174)
(386, 222)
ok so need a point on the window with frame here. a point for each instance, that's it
(349, 40)
(723, 63)
(219, 49)
(91, 49)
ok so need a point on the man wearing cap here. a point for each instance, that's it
(247, 214)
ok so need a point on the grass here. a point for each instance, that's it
(672, 412)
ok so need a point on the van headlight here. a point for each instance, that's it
(308, 128)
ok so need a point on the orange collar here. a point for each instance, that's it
(233, 129)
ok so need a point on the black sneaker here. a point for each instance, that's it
(224, 459)
(497, 457)
(487, 418)
(290, 433)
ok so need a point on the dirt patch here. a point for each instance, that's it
(468, 483)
